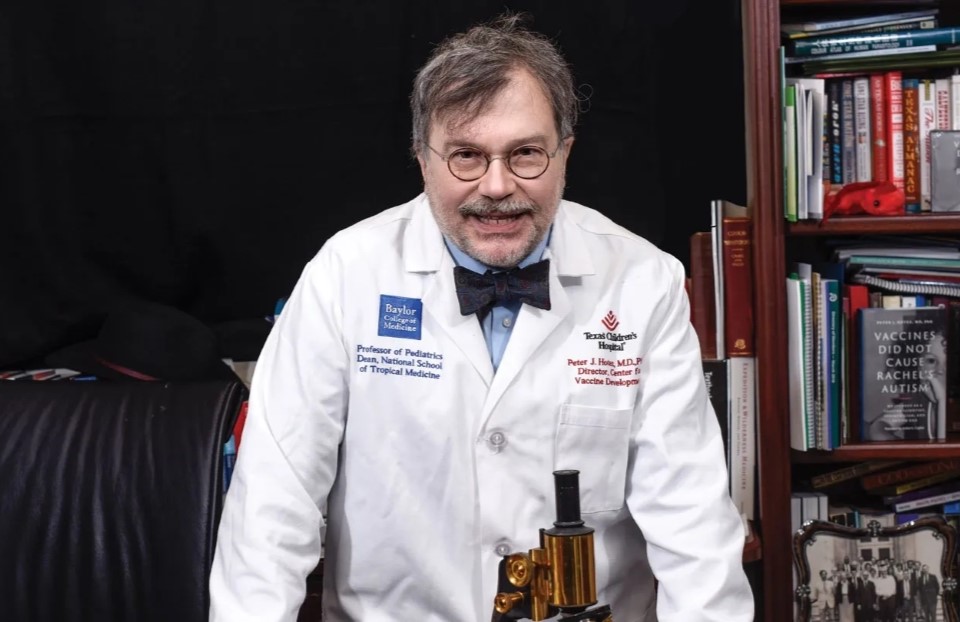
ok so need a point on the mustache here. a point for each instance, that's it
(489, 207)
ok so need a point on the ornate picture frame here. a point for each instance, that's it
(904, 573)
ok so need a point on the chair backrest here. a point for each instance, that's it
(110, 496)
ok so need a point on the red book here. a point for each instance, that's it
(738, 286)
(878, 125)
(911, 144)
(893, 94)
(238, 424)
(703, 313)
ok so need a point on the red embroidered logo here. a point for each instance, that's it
(610, 321)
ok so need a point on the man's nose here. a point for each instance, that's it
(498, 182)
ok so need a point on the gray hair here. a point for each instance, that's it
(466, 71)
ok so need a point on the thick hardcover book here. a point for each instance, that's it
(909, 473)
(851, 472)
(945, 170)
(738, 286)
(917, 484)
(703, 298)
(847, 44)
(902, 373)
(911, 144)
(741, 388)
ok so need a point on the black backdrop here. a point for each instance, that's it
(199, 152)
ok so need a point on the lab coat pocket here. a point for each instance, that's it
(594, 441)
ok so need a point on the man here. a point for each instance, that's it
(929, 588)
(824, 598)
(388, 399)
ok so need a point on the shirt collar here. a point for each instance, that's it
(468, 262)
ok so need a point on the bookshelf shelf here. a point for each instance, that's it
(864, 225)
(907, 450)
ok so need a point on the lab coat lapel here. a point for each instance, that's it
(425, 252)
(569, 262)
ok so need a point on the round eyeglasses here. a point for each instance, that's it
(470, 163)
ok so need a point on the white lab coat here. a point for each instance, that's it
(427, 480)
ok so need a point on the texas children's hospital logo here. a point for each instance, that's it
(610, 340)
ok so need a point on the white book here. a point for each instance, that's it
(928, 121)
(955, 102)
(811, 103)
(741, 376)
(795, 366)
(861, 116)
(944, 116)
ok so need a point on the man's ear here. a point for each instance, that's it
(567, 147)
(423, 165)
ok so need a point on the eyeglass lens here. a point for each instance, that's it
(526, 162)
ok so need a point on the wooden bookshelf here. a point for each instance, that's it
(772, 237)
(868, 225)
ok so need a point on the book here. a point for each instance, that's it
(863, 62)
(703, 311)
(945, 170)
(949, 485)
(741, 389)
(854, 22)
(902, 373)
(927, 92)
(859, 42)
(911, 472)
(925, 502)
(911, 144)
(878, 127)
(854, 471)
(737, 283)
(893, 96)
(921, 22)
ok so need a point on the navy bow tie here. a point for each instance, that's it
(478, 293)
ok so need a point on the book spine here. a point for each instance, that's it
(946, 497)
(893, 94)
(955, 102)
(703, 312)
(743, 459)
(900, 26)
(851, 472)
(911, 144)
(878, 124)
(738, 286)
(909, 473)
(790, 153)
(943, 103)
(928, 122)
(848, 136)
(825, 46)
(861, 113)
(835, 102)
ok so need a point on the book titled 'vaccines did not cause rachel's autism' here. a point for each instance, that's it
(903, 360)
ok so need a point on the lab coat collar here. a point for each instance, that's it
(424, 252)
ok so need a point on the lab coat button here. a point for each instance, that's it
(497, 441)
(502, 549)
(507, 322)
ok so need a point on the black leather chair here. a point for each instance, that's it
(111, 495)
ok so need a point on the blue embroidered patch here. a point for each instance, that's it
(400, 317)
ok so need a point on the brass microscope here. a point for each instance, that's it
(558, 578)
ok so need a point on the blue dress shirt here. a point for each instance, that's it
(497, 326)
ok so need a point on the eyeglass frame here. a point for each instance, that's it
(506, 160)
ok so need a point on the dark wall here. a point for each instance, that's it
(199, 152)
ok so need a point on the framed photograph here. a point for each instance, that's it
(896, 574)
